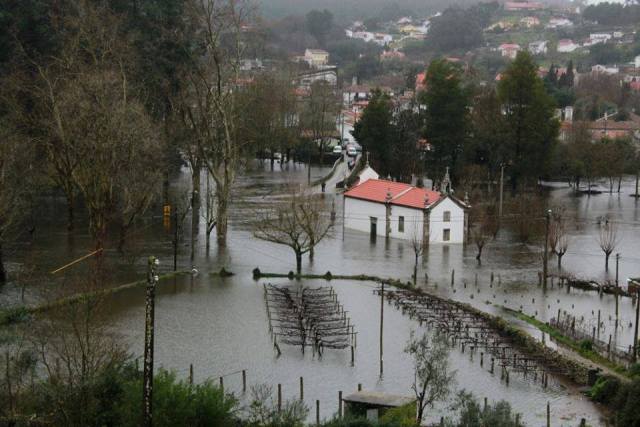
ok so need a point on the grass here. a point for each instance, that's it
(570, 343)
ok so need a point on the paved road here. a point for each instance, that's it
(341, 172)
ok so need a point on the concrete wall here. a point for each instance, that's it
(437, 225)
(358, 213)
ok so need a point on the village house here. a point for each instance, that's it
(514, 6)
(538, 47)
(382, 39)
(559, 23)
(401, 211)
(596, 38)
(389, 55)
(636, 62)
(566, 46)
(603, 69)
(316, 58)
(329, 75)
(509, 50)
(530, 21)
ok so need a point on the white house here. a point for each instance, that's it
(401, 211)
(636, 62)
(595, 38)
(510, 50)
(329, 75)
(559, 22)
(538, 47)
(566, 46)
(604, 69)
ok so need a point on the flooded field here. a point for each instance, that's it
(219, 325)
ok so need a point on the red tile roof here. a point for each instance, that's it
(376, 190)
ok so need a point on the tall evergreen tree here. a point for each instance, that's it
(375, 131)
(531, 126)
(446, 115)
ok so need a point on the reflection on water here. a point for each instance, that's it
(227, 331)
(219, 325)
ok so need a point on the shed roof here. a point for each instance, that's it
(378, 399)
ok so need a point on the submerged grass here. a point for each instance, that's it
(570, 343)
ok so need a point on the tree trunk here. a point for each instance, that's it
(222, 214)
(606, 261)
(415, 272)
(560, 261)
(298, 262)
(3, 272)
(619, 183)
(479, 253)
(637, 182)
(420, 413)
(70, 212)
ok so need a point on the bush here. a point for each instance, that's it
(178, 403)
(586, 345)
(605, 389)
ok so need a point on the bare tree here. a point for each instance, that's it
(608, 239)
(210, 212)
(210, 101)
(418, 246)
(484, 228)
(433, 376)
(15, 168)
(558, 237)
(301, 222)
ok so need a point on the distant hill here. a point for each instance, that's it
(347, 10)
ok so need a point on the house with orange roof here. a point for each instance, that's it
(401, 211)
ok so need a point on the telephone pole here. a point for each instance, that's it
(381, 323)
(545, 255)
(147, 381)
(501, 189)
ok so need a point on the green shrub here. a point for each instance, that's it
(178, 403)
(586, 345)
(605, 389)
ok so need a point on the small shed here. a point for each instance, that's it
(373, 404)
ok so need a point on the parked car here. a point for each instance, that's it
(351, 151)
(337, 149)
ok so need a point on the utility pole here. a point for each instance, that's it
(175, 239)
(381, 323)
(617, 287)
(501, 189)
(147, 381)
(545, 256)
(635, 333)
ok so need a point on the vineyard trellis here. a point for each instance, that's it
(473, 332)
(306, 316)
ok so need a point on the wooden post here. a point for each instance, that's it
(317, 412)
(453, 276)
(352, 356)
(481, 359)
(548, 415)
(301, 388)
(222, 384)
(635, 333)
(609, 347)
(598, 324)
(359, 386)
(279, 397)
(485, 404)
(492, 364)
(191, 373)
(340, 404)
(381, 324)
(244, 381)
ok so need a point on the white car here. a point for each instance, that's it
(337, 149)
(351, 151)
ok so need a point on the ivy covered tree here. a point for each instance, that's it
(375, 131)
(446, 115)
(532, 128)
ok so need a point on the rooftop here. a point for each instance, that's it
(379, 399)
(376, 190)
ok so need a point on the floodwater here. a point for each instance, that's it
(219, 325)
